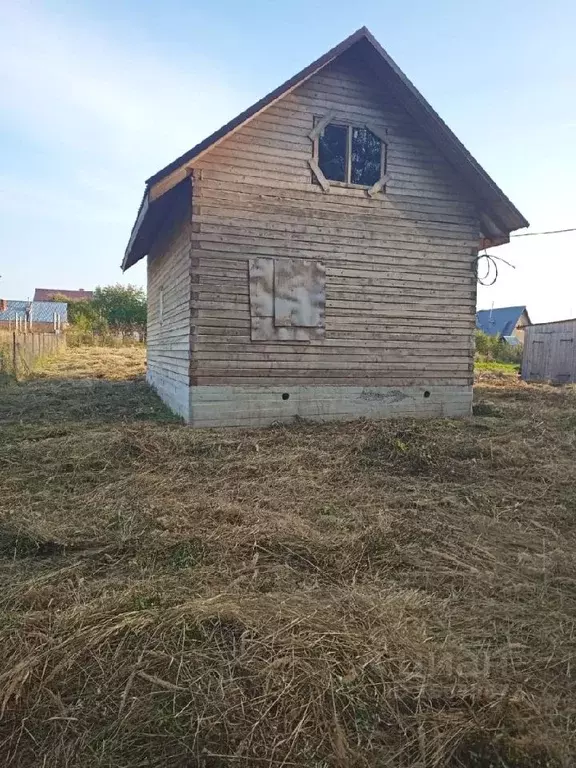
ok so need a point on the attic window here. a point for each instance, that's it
(365, 157)
(353, 155)
(332, 152)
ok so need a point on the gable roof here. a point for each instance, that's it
(39, 311)
(555, 322)
(499, 322)
(47, 294)
(499, 215)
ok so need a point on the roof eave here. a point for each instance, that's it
(130, 258)
(421, 110)
(262, 103)
(152, 217)
(491, 198)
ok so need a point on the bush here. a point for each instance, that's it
(496, 349)
(122, 306)
(77, 337)
(117, 310)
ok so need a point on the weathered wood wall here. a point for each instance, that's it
(521, 325)
(550, 352)
(400, 283)
(168, 337)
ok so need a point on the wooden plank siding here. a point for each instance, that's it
(400, 279)
(168, 363)
(550, 352)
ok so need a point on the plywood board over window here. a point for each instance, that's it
(299, 293)
(287, 299)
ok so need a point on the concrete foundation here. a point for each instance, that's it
(175, 394)
(261, 406)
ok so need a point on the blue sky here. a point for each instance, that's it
(97, 95)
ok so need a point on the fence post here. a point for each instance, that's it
(14, 355)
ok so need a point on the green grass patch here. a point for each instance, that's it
(491, 366)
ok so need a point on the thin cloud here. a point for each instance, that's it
(59, 84)
(85, 121)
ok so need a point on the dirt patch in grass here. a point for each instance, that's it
(398, 593)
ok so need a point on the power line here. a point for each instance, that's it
(550, 232)
(491, 261)
(491, 268)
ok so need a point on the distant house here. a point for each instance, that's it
(33, 315)
(505, 322)
(48, 294)
(306, 259)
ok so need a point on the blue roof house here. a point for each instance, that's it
(506, 322)
(34, 312)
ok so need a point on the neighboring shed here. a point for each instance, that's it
(33, 315)
(316, 256)
(549, 352)
(48, 294)
(503, 321)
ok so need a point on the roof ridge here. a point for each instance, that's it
(499, 215)
(280, 90)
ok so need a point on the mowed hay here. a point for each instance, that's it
(365, 594)
(111, 363)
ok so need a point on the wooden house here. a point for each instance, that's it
(550, 352)
(316, 256)
(509, 323)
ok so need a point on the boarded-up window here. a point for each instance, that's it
(287, 299)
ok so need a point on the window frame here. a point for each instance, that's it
(331, 119)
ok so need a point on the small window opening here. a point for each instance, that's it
(350, 154)
(366, 158)
(332, 151)
(426, 394)
(285, 396)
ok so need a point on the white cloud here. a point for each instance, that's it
(58, 83)
(85, 119)
(92, 119)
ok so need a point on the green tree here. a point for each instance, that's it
(495, 348)
(122, 307)
(83, 315)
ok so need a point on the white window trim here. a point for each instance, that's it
(325, 183)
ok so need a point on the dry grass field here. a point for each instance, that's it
(398, 593)
(110, 363)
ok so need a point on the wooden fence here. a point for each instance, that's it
(19, 352)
